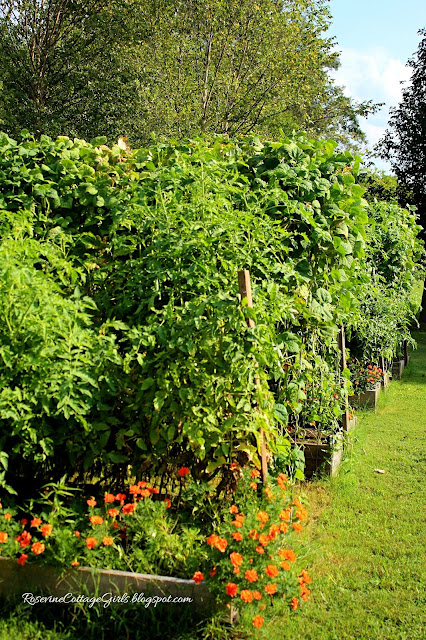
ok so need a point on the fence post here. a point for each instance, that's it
(244, 286)
(342, 346)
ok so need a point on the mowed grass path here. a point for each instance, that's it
(368, 529)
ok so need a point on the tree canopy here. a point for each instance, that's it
(404, 143)
(171, 67)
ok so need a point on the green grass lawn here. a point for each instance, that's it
(367, 534)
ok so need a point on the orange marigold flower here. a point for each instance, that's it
(233, 509)
(306, 577)
(264, 539)
(270, 589)
(246, 595)
(198, 577)
(231, 589)
(236, 558)
(183, 471)
(237, 523)
(240, 517)
(128, 508)
(221, 544)
(24, 539)
(121, 497)
(134, 489)
(142, 484)
(109, 497)
(233, 466)
(262, 607)
(260, 550)
(255, 473)
(285, 515)
(237, 570)
(37, 548)
(77, 534)
(212, 572)
(251, 575)
(258, 621)
(253, 534)
(46, 530)
(301, 514)
(285, 565)
(297, 503)
(269, 494)
(113, 512)
(287, 554)
(7, 516)
(108, 541)
(262, 516)
(167, 502)
(274, 530)
(22, 559)
(91, 502)
(91, 542)
(253, 486)
(211, 540)
(115, 525)
(3, 537)
(297, 526)
(145, 493)
(23, 521)
(237, 536)
(283, 527)
(75, 563)
(257, 595)
(294, 603)
(271, 571)
(35, 522)
(96, 519)
(305, 597)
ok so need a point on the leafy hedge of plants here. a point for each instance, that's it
(122, 336)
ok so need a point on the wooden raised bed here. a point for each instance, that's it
(320, 455)
(32, 578)
(398, 369)
(366, 400)
(385, 380)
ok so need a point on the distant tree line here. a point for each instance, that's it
(171, 67)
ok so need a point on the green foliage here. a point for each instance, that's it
(171, 67)
(393, 264)
(127, 342)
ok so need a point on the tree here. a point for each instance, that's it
(171, 67)
(404, 143)
(65, 66)
(240, 66)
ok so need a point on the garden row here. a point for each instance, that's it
(130, 352)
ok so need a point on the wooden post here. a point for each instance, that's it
(244, 286)
(405, 352)
(382, 363)
(342, 346)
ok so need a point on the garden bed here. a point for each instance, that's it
(321, 455)
(398, 369)
(367, 399)
(16, 580)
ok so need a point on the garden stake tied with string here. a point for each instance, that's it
(244, 286)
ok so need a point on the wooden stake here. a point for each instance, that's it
(342, 346)
(244, 286)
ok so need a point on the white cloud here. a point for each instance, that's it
(372, 75)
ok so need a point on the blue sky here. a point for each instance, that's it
(376, 38)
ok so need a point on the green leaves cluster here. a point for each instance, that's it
(123, 339)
